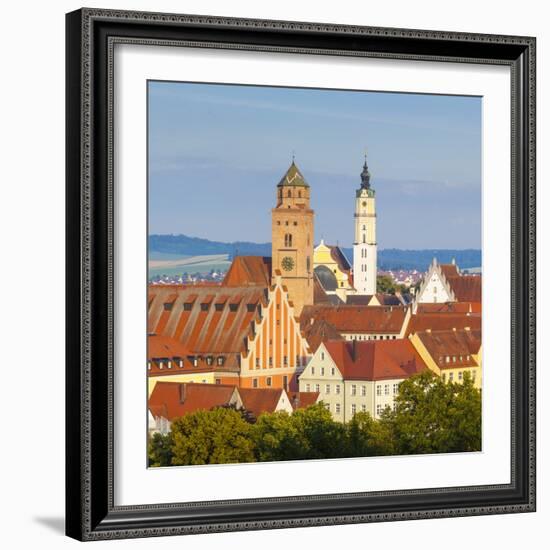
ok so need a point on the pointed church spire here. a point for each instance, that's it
(365, 175)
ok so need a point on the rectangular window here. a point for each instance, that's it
(308, 387)
(312, 370)
(337, 408)
(271, 361)
(268, 381)
(337, 389)
(353, 389)
(322, 371)
(450, 377)
(378, 409)
(327, 389)
(363, 390)
(333, 371)
(363, 408)
(460, 375)
(255, 383)
(257, 362)
(285, 360)
(395, 389)
(444, 376)
(353, 409)
(378, 389)
(387, 389)
(327, 406)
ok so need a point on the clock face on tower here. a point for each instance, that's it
(287, 263)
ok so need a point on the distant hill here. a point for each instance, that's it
(389, 258)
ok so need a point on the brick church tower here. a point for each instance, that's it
(292, 238)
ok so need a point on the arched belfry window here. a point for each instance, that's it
(289, 193)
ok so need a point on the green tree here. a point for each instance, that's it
(385, 284)
(276, 437)
(219, 436)
(434, 417)
(160, 450)
(307, 433)
(369, 437)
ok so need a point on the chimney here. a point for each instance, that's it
(183, 392)
(353, 350)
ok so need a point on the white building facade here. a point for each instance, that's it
(364, 246)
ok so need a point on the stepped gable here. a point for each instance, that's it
(204, 318)
(457, 345)
(375, 360)
(357, 319)
(174, 399)
(249, 271)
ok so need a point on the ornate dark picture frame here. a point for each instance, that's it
(91, 35)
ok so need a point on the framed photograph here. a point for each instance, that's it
(300, 274)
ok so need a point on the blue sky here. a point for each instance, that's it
(217, 152)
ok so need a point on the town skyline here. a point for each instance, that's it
(199, 163)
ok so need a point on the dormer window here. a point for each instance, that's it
(204, 306)
(180, 363)
(220, 361)
(161, 365)
(148, 365)
(195, 361)
(168, 306)
(209, 360)
(187, 306)
(169, 364)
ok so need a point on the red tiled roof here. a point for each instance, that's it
(458, 345)
(173, 399)
(303, 399)
(249, 271)
(202, 327)
(357, 319)
(448, 307)
(449, 270)
(443, 321)
(159, 346)
(320, 331)
(260, 400)
(375, 360)
(466, 288)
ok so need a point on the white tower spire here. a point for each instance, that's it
(364, 246)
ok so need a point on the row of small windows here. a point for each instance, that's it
(285, 361)
(386, 389)
(287, 223)
(179, 362)
(371, 337)
(454, 358)
(188, 306)
(269, 382)
(289, 194)
(460, 375)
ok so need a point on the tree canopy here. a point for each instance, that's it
(430, 416)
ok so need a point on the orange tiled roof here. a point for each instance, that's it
(457, 345)
(357, 319)
(303, 399)
(443, 321)
(260, 400)
(249, 271)
(375, 360)
(210, 320)
(466, 288)
(173, 399)
(449, 307)
(320, 331)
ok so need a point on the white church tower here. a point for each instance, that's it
(364, 246)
